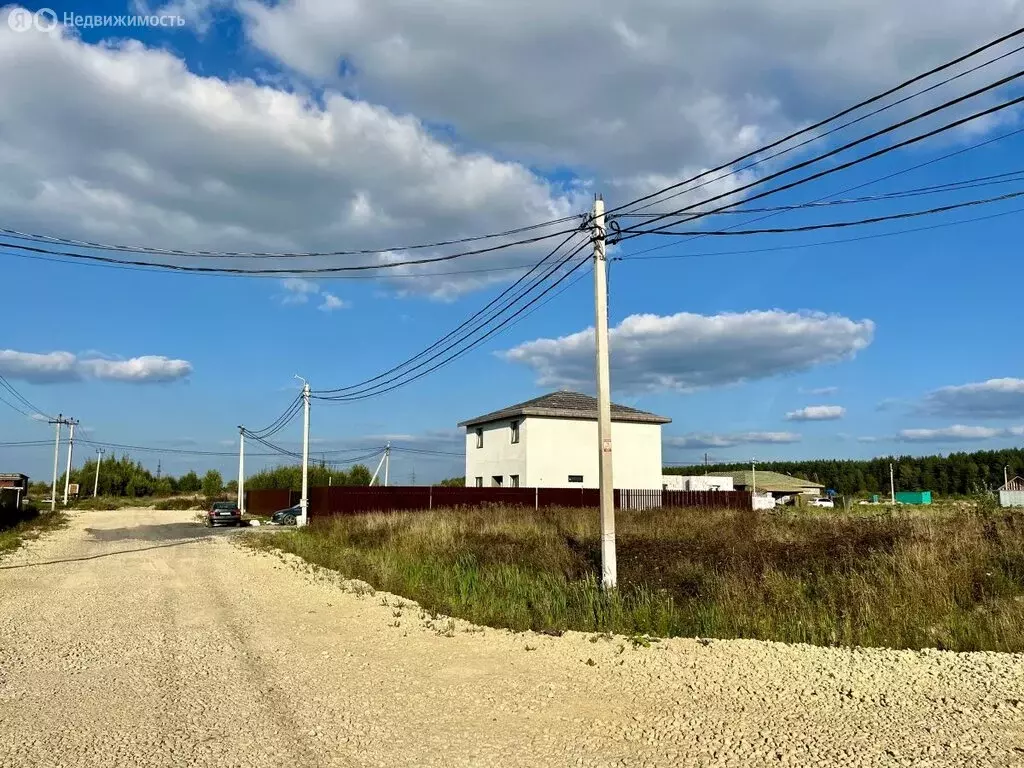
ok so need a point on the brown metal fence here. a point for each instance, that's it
(268, 501)
(352, 500)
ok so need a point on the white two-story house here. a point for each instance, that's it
(551, 442)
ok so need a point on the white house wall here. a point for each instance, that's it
(558, 448)
(498, 456)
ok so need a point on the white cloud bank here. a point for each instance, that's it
(817, 413)
(685, 352)
(716, 440)
(134, 148)
(994, 399)
(637, 90)
(957, 433)
(56, 367)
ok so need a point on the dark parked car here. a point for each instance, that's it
(226, 512)
(287, 516)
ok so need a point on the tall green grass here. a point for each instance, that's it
(952, 580)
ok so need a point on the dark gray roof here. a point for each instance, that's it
(566, 405)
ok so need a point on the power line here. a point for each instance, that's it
(953, 186)
(826, 121)
(855, 187)
(510, 289)
(856, 161)
(22, 399)
(280, 422)
(286, 271)
(396, 381)
(832, 224)
(34, 237)
(425, 451)
(798, 246)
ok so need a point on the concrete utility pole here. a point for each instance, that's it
(892, 484)
(71, 449)
(304, 502)
(387, 463)
(753, 478)
(56, 453)
(1006, 475)
(241, 468)
(96, 482)
(609, 570)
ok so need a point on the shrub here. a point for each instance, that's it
(179, 503)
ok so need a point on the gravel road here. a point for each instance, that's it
(139, 638)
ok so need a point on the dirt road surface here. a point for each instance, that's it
(139, 638)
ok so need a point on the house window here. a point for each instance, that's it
(515, 431)
(575, 478)
(496, 481)
(479, 482)
(513, 480)
(479, 437)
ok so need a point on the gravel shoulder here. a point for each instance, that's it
(140, 638)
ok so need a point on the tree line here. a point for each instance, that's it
(123, 476)
(958, 474)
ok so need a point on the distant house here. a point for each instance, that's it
(696, 483)
(774, 483)
(551, 442)
(1012, 494)
(13, 490)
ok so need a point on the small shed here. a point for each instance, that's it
(1012, 494)
(13, 490)
(696, 483)
(913, 497)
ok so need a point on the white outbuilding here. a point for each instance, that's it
(551, 442)
(696, 483)
(1012, 494)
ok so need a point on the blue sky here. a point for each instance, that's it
(297, 127)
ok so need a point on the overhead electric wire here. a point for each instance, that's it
(849, 164)
(852, 188)
(282, 271)
(22, 399)
(355, 392)
(384, 389)
(157, 449)
(458, 328)
(426, 451)
(833, 118)
(954, 186)
(34, 237)
(26, 443)
(831, 224)
(640, 255)
(277, 424)
(16, 408)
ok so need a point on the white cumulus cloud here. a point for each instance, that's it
(817, 413)
(331, 303)
(995, 398)
(686, 351)
(692, 81)
(135, 148)
(55, 367)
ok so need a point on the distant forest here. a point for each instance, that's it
(959, 474)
